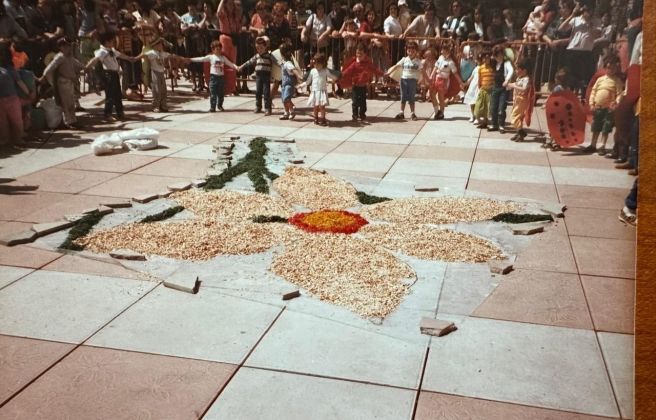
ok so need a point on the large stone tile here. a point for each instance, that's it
(465, 287)
(189, 168)
(434, 406)
(513, 189)
(110, 384)
(131, 185)
(122, 162)
(579, 160)
(347, 162)
(381, 137)
(26, 256)
(439, 152)
(81, 265)
(401, 185)
(321, 146)
(208, 127)
(605, 257)
(593, 197)
(522, 363)
(538, 297)
(23, 359)
(548, 251)
(612, 303)
(618, 353)
(16, 205)
(73, 204)
(164, 148)
(185, 137)
(66, 180)
(329, 134)
(538, 158)
(10, 228)
(369, 149)
(511, 173)
(597, 223)
(592, 177)
(9, 275)
(431, 167)
(207, 326)
(63, 306)
(260, 129)
(308, 344)
(487, 142)
(264, 394)
(431, 139)
(198, 151)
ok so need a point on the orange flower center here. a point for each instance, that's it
(331, 221)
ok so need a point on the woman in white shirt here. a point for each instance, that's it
(579, 56)
(393, 29)
(316, 33)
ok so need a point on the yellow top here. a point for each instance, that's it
(485, 77)
(606, 91)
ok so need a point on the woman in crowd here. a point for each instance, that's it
(579, 56)
(393, 29)
(316, 33)
(458, 25)
(424, 25)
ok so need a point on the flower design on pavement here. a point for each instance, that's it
(333, 247)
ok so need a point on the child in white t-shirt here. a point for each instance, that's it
(440, 80)
(411, 68)
(217, 84)
(290, 74)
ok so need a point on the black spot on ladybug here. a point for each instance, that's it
(552, 116)
(568, 107)
(557, 103)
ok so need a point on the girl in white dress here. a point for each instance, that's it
(472, 90)
(318, 82)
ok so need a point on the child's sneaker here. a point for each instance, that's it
(284, 117)
(257, 111)
(354, 117)
(267, 112)
(212, 110)
(493, 128)
(628, 217)
(502, 130)
(221, 109)
(440, 115)
(363, 117)
(399, 116)
(472, 120)
(292, 115)
(413, 117)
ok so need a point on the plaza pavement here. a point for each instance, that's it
(90, 339)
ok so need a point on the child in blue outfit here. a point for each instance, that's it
(290, 75)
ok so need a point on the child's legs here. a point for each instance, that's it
(259, 90)
(503, 99)
(598, 119)
(113, 94)
(11, 119)
(607, 127)
(214, 90)
(359, 96)
(66, 92)
(442, 100)
(410, 93)
(433, 97)
(266, 90)
(162, 91)
(494, 106)
(156, 88)
(322, 111)
(315, 110)
(220, 90)
(472, 108)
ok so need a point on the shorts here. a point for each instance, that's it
(408, 90)
(440, 85)
(287, 93)
(603, 121)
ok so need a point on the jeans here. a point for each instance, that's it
(631, 200)
(263, 88)
(498, 106)
(359, 101)
(217, 88)
(113, 95)
(634, 143)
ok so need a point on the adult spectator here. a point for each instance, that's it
(191, 24)
(404, 14)
(494, 31)
(316, 33)
(509, 30)
(278, 29)
(635, 22)
(9, 29)
(359, 15)
(16, 11)
(558, 39)
(235, 42)
(258, 20)
(11, 119)
(393, 29)
(579, 57)
(337, 16)
(426, 25)
(458, 25)
(478, 24)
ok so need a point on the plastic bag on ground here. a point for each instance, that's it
(53, 112)
(138, 139)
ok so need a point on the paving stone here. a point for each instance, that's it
(126, 254)
(291, 295)
(500, 266)
(183, 281)
(43, 229)
(554, 209)
(198, 183)
(18, 238)
(164, 194)
(117, 204)
(527, 228)
(145, 198)
(436, 327)
(426, 188)
(296, 161)
(287, 140)
(73, 217)
(105, 210)
(179, 186)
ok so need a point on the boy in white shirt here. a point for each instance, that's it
(158, 59)
(217, 85)
(411, 66)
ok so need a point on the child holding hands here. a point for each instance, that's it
(411, 66)
(520, 100)
(290, 74)
(318, 82)
(217, 61)
(360, 72)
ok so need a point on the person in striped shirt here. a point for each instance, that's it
(263, 61)
(485, 85)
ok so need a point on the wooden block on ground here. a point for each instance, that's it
(554, 209)
(105, 210)
(179, 186)
(183, 282)
(198, 183)
(117, 204)
(291, 295)
(145, 198)
(296, 161)
(527, 228)
(126, 254)
(436, 327)
(500, 266)
(43, 229)
(288, 140)
(18, 238)
(426, 188)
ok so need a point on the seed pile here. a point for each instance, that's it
(431, 243)
(345, 271)
(314, 190)
(200, 239)
(230, 205)
(436, 210)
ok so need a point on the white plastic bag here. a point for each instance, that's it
(52, 111)
(141, 144)
(138, 139)
(106, 144)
